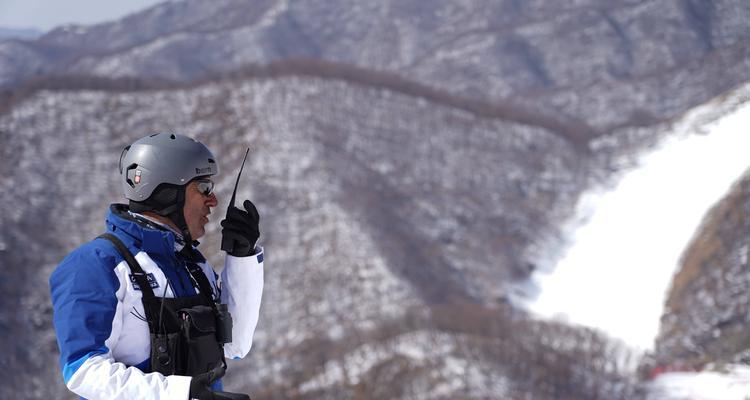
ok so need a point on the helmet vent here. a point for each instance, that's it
(127, 174)
(172, 136)
(154, 135)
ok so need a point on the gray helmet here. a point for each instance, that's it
(163, 158)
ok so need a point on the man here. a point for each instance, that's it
(145, 318)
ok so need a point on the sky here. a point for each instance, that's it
(616, 274)
(44, 15)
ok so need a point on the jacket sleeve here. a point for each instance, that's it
(87, 299)
(242, 289)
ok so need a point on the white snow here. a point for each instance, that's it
(733, 385)
(616, 273)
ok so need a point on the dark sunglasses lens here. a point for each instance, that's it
(206, 187)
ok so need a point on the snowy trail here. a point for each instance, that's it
(616, 274)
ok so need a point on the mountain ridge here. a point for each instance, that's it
(576, 131)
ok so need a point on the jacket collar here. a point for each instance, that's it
(153, 238)
(138, 235)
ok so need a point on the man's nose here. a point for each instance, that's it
(212, 201)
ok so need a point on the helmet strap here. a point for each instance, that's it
(176, 214)
(167, 201)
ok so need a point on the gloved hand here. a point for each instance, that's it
(230, 396)
(200, 384)
(200, 388)
(240, 230)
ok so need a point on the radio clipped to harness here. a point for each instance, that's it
(223, 324)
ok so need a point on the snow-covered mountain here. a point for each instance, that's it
(410, 171)
(649, 60)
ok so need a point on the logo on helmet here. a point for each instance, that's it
(202, 171)
(137, 178)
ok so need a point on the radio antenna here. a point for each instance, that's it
(226, 243)
(234, 193)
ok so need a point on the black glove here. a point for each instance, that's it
(240, 230)
(230, 396)
(200, 385)
(207, 394)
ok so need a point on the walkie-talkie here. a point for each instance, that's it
(226, 243)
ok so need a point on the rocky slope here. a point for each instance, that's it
(707, 311)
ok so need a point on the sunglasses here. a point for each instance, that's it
(205, 186)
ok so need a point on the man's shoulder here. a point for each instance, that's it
(93, 257)
(88, 272)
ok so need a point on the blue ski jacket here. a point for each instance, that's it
(98, 313)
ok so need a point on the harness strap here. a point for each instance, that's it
(199, 277)
(142, 279)
(138, 274)
(203, 284)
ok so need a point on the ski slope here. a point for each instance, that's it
(616, 274)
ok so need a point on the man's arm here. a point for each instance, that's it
(242, 289)
(242, 277)
(100, 377)
(87, 295)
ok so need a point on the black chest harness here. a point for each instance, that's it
(187, 333)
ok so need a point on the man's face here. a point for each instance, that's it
(197, 207)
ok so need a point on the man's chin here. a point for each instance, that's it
(197, 234)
